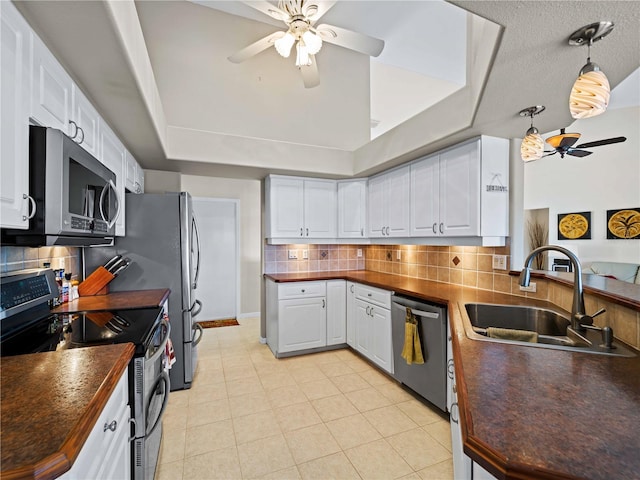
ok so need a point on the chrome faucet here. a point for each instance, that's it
(578, 315)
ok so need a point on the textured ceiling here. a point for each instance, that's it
(533, 65)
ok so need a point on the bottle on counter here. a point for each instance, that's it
(66, 288)
(73, 293)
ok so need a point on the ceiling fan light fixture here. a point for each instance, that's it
(302, 55)
(556, 140)
(312, 41)
(591, 91)
(283, 45)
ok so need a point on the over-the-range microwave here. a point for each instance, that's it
(76, 201)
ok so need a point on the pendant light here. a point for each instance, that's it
(532, 146)
(590, 93)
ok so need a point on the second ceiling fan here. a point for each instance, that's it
(563, 144)
(300, 17)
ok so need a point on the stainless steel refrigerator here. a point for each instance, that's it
(162, 242)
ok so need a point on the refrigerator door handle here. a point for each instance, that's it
(198, 331)
(197, 239)
(196, 312)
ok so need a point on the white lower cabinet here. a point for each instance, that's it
(351, 314)
(336, 312)
(302, 324)
(373, 325)
(107, 451)
(480, 473)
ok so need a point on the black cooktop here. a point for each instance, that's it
(59, 332)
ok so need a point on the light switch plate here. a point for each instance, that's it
(293, 254)
(499, 262)
(359, 253)
(305, 254)
(399, 254)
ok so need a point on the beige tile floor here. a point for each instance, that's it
(328, 415)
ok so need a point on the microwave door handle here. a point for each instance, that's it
(197, 238)
(111, 223)
(164, 378)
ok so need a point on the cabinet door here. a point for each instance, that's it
(113, 157)
(131, 173)
(397, 202)
(50, 90)
(139, 179)
(86, 120)
(352, 209)
(381, 338)
(363, 328)
(425, 197)
(285, 197)
(336, 312)
(302, 324)
(480, 473)
(351, 314)
(15, 83)
(461, 462)
(459, 191)
(376, 192)
(320, 208)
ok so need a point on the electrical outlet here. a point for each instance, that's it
(293, 254)
(359, 253)
(531, 288)
(499, 262)
(398, 254)
(305, 254)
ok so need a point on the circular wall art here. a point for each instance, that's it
(623, 224)
(574, 226)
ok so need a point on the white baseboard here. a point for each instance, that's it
(263, 340)
(248, 315)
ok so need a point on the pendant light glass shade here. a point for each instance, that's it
(532, 146)
(312, 41)
(302, 55)
(590, 94)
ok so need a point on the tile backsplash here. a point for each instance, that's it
(18, 258)
(320, 258)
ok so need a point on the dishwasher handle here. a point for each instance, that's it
(420, 313)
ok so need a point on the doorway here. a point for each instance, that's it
(219, 245)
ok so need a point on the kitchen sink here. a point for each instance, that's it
(552, 327)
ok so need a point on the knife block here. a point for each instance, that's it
(96, 284)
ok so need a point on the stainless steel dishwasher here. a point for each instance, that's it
(430, 378)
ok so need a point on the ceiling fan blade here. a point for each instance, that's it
(314, 11)
(310, 75)
(255, 48)
(578, 153)
(351, 40)
(268, 9)
(597, 143)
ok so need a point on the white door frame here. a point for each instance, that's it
(236, 202)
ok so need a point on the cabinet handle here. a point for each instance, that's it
(110, 426)
(434, 228)
(75, 132)
(302, 290)
(387, 231)
(82, 132)
(368, 294)
(450, 368)
(441, 228)
(32, 207)
(367, 310)
(453, 418)
(351, 288)
(301, 232)
(323, 303)
(362, 232)
(307, 232)
(371, 312)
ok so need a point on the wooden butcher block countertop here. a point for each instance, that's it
(50, 402)
(525, 411)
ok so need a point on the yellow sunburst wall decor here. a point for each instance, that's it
(574, 226)
(623, 224)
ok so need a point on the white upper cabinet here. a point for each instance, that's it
(113, 157)
(300, 208)
(389, 204)
(84, 125)
(134, 181)
(462, 192)
(352, 208)
(15, 84)
(50, 90)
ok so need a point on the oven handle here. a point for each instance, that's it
(164, 378)
(198, 328)
(163, 344)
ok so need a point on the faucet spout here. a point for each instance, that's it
(577, 308)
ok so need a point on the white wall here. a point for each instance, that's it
(157, 181)
(606, 180)
(248, 194)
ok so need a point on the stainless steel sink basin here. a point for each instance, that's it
(552, 327)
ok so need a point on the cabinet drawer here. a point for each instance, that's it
(374, 295)
(301, 290)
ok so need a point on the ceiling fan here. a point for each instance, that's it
(300, 17)
(563, 144)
